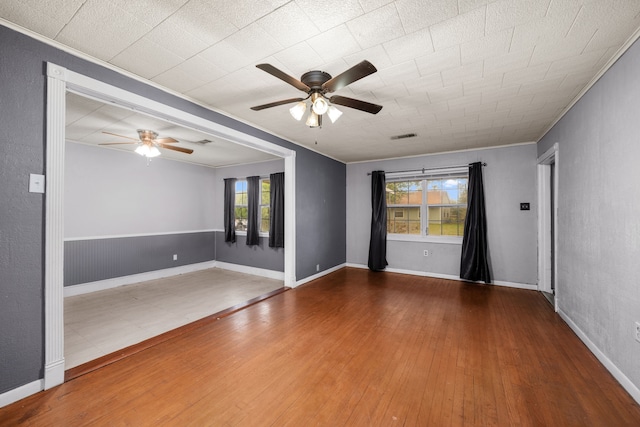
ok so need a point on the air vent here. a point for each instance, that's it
(406, 135)
(204, 142)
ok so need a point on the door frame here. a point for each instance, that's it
(59, 81)
(548, 220)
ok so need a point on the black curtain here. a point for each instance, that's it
(253, 206)
(378, 242)
(276, 222)
(229, 210)
(473, 263)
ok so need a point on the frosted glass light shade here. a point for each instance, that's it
(334, 114)
(297, 111)
(147, 151)
(320, 106)
(312, 120)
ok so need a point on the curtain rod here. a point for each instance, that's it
(430, 169)
(245, 178)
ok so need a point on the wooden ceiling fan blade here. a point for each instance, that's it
(121, 136)
(275, 104)
(353, 74)
(165, 140)
(356, 103)
(284, 77)
(180, 149)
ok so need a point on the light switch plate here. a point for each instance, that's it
(36, 183)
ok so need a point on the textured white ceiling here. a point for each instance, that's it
(87, 120)
(461, 74)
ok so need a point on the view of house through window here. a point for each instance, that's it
(241, 205)
(438, 211)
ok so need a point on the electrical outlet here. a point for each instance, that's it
(317, 267)
(426, 252)
(638, 331)
(175, 257)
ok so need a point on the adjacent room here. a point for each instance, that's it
(333, 213)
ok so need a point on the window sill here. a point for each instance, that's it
(449, 240)
(244, 233)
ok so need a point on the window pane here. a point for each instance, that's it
(403, 220)
(265, 192)
(404, 193)
(446, 221)
(264, 219)
(241, 218)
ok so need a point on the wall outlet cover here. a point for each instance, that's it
(525, 206)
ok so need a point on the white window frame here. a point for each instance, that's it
(424, 208)
(260, 205)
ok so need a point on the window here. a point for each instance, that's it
(242, 205)
(265, 200)
(438, 211)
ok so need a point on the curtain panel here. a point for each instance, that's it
(253, 208)
(276, 221)
(474, 264)
(378, 242)
(229, 210)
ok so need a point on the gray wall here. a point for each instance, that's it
(598, 212)
(110, 192)
(320, 190)
(509, 178)
(261, 255)
(99, 259)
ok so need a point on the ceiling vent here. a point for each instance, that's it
(406, 135)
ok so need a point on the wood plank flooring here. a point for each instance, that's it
(354, 348)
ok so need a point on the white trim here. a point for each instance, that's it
(546, 219)
(290, 221)
(124, 236)
(448, 277)
(11, 396)
(101, 285)
(443, 240)
(54, 228)
(466, 150)
(624, 381)
(319, 275)
(262, 272)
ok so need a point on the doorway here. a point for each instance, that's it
(547, 224)
(59, 81)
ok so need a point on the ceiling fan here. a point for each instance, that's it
(149, 143)
(317, 84)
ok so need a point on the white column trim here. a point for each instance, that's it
(54, 228)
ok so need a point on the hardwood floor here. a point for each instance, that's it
(354, 348)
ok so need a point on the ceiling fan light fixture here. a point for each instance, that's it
(298, 110)
(320, 105)
(312, 120)
(147, 151)
(333, 113)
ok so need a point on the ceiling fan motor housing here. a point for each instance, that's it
(315, 79)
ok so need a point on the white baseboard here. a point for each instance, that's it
(101, 285)
(319, 275)
(54, 374)
(262, 272)
(21, 392)
(626, 383)
(448, 277)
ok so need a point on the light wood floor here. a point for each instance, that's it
(355, 348)
(99, 323)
